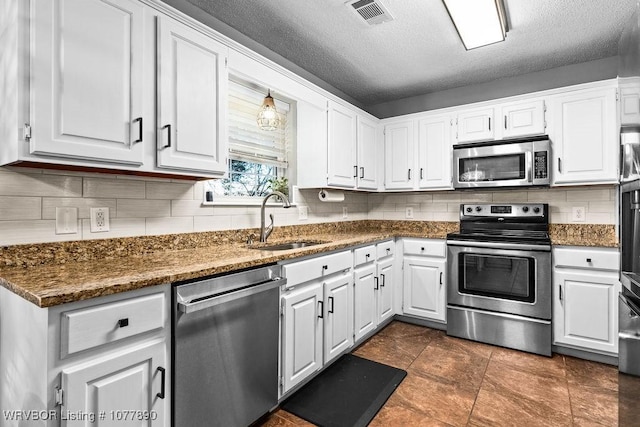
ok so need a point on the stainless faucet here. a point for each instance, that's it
(266, 231)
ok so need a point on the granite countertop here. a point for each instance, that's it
(57, 273)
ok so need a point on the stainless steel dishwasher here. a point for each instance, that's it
(225, 348)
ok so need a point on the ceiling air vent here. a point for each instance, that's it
(372, 11)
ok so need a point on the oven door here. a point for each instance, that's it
(514, 280)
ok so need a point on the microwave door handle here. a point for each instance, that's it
(529, 162)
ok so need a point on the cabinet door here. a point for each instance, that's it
(385, 290)
(302, 334)
(129, 380)
(475, 125)
(342, 146)
(424, 288)
(586, 309)
(524, 118)
(585, 141)
(338, 313)
(311, 122)
(367, 154)
(365, 300)
(87, 79)
(630, 104)
(399, 161)
(434, 151)
(192, 79)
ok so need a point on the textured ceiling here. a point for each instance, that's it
(419, 51)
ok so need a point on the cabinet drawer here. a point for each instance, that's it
(597, 259)
(364, 255)
(427, 247)
(303, 271)
(90, 327)
(385, 249)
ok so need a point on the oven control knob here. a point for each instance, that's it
(536, 210)
(478, 208)
(525, 209)
(469, 209)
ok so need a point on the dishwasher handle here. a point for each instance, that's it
(215, 299)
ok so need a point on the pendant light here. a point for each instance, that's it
(268, 117)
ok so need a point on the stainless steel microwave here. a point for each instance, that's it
(509, 163)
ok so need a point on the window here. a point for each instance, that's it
(257, 158)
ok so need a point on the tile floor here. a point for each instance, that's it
(455, 382)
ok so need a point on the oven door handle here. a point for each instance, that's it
(217, 299)
(495, 245)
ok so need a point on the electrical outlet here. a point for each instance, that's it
(345, 212)
(66, 220)
(99, 220)
(303, 212)
(578, 214)
(408, 213)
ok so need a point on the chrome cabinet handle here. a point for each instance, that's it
(559, 165)
(168, 127)
(355, 171)
(441, 277)
(320, 310)
(361, 171)
(375, 280)
(409, 175)
(123, 322)
(162, 383)
(589, 260)
(331, 305)
(505, 122)
(489, 123)
(139, 119)
(421, 173)
(560, 292)
(383, 280)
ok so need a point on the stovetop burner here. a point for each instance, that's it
(510, 223)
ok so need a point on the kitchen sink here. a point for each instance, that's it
(286, 246)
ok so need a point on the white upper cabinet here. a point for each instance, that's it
(192, 79)
(584, 138)
(475, 125)
(434, 153)
(629, 103)
(342, 161)
(523, 118)
(367, 154)
(399, 173)
(87, 76)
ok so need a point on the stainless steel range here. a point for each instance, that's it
(499, 270)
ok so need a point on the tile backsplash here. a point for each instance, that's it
(148, 206)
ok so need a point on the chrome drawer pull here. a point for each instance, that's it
(123, 322)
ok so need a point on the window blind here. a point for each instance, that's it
(247, 142)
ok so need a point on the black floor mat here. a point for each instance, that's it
(348, 393)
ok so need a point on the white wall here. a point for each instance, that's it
(137, 206)
(599, 203)
(147, 206)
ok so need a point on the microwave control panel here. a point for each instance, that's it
(541, 165)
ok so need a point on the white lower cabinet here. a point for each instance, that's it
(365, 284)
(317, 315)
(338, 315)
(104, 361)
(119, 385)
(585, 304)
(373, 287)
(424, 276)
(301, 334)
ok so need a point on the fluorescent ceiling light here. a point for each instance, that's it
(478, 22)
